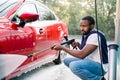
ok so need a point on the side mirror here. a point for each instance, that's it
(27, 17)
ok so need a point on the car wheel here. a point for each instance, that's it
(62, 54)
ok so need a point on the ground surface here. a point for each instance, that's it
(49, 72)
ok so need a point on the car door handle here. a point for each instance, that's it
(59, 28)
(41, 31)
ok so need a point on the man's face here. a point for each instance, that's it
(85, 27)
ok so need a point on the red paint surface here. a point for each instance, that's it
(24, 41)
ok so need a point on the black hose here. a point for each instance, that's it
(100, 51)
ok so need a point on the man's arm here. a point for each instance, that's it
(88, 49)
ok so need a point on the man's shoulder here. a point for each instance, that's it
(96, 33)
(93, 35)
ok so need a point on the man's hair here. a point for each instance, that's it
(90, 19)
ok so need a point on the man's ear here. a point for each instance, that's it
(92, 25)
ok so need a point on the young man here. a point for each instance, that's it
(86, 62)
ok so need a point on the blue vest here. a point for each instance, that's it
(104, 50)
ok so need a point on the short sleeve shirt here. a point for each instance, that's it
(93, 39)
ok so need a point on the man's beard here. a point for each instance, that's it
(86, 32)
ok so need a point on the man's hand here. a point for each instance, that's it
(74, 44)
(57, 47)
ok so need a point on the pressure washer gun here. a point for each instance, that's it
(68, 42)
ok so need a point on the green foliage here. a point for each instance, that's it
(71, 11)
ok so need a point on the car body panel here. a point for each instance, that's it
(33, 37)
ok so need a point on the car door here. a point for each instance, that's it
(24, 38)
(50, 24)
(39, 28)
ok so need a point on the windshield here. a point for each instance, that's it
(6, 5)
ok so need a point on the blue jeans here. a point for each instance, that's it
(84, 69)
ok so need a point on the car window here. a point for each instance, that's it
(45, 14)
(6, 6)
(27, 8)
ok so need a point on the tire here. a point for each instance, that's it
(62, 54)
(57, 61)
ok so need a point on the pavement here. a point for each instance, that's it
(49, 72)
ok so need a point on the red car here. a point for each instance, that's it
(28, 27)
